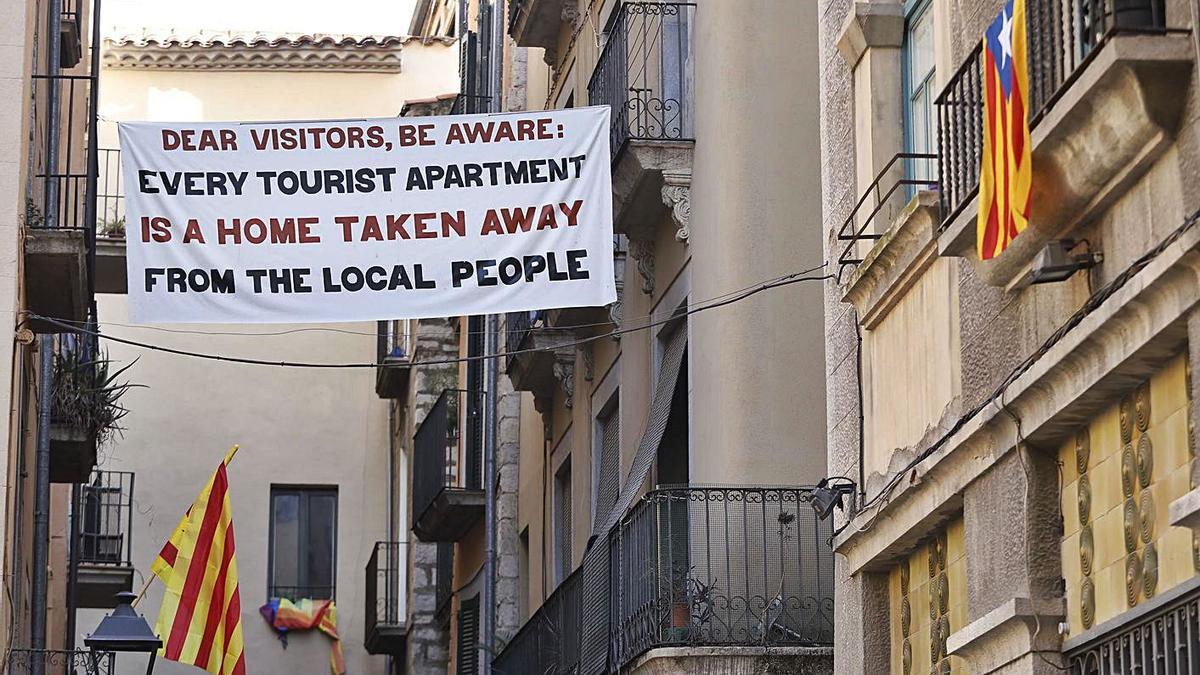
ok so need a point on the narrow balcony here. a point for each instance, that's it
(537, 23)
(1104, 104)
(105, 539)
(393, 356)
(537, 359)
(594, 319)
(645, 75)
(80, 405)
(385, 631)
(111, 271)
(70, 33)
(27, 661)
(692, 566)
(58, 235)
(447, 492)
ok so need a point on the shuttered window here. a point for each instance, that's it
(608, 465)
(562, 522)
(468, 637)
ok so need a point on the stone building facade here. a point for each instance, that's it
(1022, 443)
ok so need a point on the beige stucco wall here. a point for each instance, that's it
(296, 426)
(757, 365)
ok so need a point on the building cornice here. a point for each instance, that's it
(259, 51)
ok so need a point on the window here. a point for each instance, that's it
(606, 462)
(303, 543)
(523, 577)
(467, 654)
(562, 522)
(920, 135)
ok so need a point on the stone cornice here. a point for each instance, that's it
(256, 52)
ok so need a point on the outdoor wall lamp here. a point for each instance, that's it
(125, 631)
(828, 494)
(1056, 263)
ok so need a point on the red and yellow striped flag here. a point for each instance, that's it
(1005, 171)
(200, 621)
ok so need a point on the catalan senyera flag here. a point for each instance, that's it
(200, 621)
(1005, 171)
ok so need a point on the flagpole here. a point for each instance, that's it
(151, 577)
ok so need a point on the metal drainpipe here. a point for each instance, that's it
(41, 505)
(393, 577)
(19, 497)
(488, 619)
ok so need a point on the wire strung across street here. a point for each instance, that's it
(728, 299)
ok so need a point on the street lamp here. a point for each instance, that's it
(125, 631)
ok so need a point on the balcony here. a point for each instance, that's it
(1103, 106)
(23, 661)
(105, 565)
(393, 354)
(537, 360)
(1159, 637)
(537, 23)
(645, 74)
(691, 566)
(593, 319)
(70, 33)
(58, 232)
(111, 268)
(385, 632)
(447, 492)
(76, 408)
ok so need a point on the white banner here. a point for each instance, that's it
(392, 218)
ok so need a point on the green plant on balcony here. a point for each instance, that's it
(86, 395)
(113, 227)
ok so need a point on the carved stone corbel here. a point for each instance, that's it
(642, 251)
(677, 196)
(570, 14)
(589, 362)
(564, 372)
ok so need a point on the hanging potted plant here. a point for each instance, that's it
(85, 411)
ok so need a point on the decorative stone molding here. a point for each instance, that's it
(589, 362)
(564, 372)
(870, 24)
(642, 251)
(896, 261)
(259, 51)
(677, 195)
(1008, 633)
(570, 14)
(1185, 511)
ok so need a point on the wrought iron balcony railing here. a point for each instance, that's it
(394, 340)
(106, 531)
(1063, 36)
(1164, 641)
(385, 576)
(549, 642)
(60, 196)
(645, 73)
(448, 449)
(516, 326)
(897, 181)
(690, 566)
(71, 662)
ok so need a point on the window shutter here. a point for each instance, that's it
(468, 637)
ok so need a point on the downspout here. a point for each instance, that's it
(393, 579)
(488, 620)
(41, 505)
(19, 498)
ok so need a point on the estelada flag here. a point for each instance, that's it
(200, 621)
(1005, 171)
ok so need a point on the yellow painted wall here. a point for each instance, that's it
(1130, 458)
(911, 365)
(928, 600)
